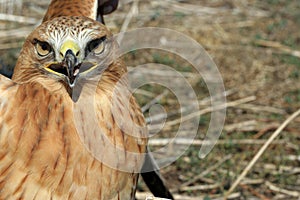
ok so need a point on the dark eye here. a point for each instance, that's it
(97, 45)
(42, 48)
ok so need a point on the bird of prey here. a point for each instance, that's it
(69, 128)
(42, 154)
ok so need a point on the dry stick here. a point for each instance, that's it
(155, 198)
(248, 125)
(208, 100)
(200, 187)
(145, 195)
(284, 191)
(265, 130)
(195, 9)
(19, 19)
(15, 33)
(182, 141)
(164, 73)
(144, 92)
(234, 196)
(252, 181)
(133, 11)
(277, 45)
(211, 109)
(204, 101)
(259, 108)
(275, 169)
(261, 151)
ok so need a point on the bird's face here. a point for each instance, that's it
(69, 48)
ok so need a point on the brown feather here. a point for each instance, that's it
(57, 8)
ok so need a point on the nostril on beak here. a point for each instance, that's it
(70, 57)
(62, 55)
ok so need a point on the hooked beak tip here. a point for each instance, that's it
(70, 61)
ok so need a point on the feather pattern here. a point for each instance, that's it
(57, 8)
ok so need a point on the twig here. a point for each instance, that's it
(289, 157)
(279, 46)
(252, 181)
(182, 110)
(262, 150)
(259, 108)
(155, 198)
(15, 33)
(181, 141)
(207, 100)
(281, 190)
(19, 19)
(144, 195)
(144, 92)
(281, 169)
(165, 73)
(196, 9)
(211, 109)
(133, 11)
(248, 125)
(200, 187)
(183, 197)
(236, 195)
(264, 130)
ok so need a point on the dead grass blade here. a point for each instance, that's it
(278, 46)
(182, 141)
(211, 109)
(19, 19)
(281, 190)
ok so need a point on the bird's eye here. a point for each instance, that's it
(42, 48)
(97, 45)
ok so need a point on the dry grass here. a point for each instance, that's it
(256, 46)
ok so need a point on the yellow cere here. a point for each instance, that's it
(69, 44)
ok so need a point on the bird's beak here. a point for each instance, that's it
(70, 67)
(69, 52)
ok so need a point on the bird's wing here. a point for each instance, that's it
(94, 9)
(7, 90)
